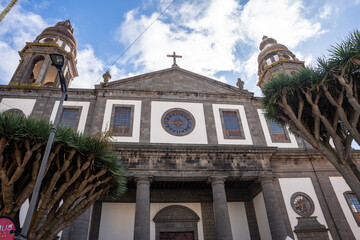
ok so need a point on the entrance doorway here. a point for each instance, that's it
(176, 222)
(176, 236)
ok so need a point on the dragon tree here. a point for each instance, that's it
(322, 106)
(79, 171)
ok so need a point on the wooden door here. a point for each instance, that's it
(176, 236)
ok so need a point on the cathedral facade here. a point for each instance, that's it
(202, 162)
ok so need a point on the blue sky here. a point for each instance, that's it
(217, 38)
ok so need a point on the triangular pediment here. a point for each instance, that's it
(173, 79)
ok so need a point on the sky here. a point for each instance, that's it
(216, 38)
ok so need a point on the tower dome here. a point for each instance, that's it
(275, 58)
(35, 66)
(62, 34)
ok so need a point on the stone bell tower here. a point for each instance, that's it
(275, 58)
(35, 67)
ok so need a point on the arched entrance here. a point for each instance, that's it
(176, 222)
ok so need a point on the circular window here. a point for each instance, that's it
(302, 204)
(178, 122)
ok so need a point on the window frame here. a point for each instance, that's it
(357, 219)
(272, 134)
(221, 112)
(112, 118)
(79, 108)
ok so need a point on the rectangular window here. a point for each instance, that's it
(122, 121)
(231, 124)
(354, 205)
(70, 117)
(277, 132)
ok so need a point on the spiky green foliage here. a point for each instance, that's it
(80, 169)
(322, 105)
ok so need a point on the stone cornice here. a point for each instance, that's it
(55, 45)
(184, 148)
(123, 93)
(261, 77)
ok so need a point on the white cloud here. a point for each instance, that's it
(326, 11)
(90, 68)
(18, 27)
(21, 26)
(222, 79)
(8, 64)
(206, 34)
(205, 42)
(284, 20)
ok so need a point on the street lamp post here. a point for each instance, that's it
(58, 62)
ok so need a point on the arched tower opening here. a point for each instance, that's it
(35, 66)
(50, 77)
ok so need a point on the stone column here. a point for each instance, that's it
(142, 211)
(44, 70)
(221, 213)
(276, 221)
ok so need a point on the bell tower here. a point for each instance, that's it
(275, 58)
(35, 67)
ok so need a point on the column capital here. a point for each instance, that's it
(217, 179)
(142, 179)
(266, 177)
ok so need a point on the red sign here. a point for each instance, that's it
(6, 225)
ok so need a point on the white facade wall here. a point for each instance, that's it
(238, 220)
(261, 217)
(340, 186)
(289, 186)
(158, 133)
(117, 221)
(24, 104)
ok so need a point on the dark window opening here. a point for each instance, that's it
(277, 131)
(231, 124)
(70, 117)
(122, 121)
(354, 205)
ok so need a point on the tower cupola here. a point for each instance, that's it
(275, 58)
(35, 67)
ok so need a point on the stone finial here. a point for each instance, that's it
(240, 84)
(266, 41)
(106, 76)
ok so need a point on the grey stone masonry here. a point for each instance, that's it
(309, 228)
(221, 212)
(207, 212)
(142, 210)
(276, 222)
(78, 230)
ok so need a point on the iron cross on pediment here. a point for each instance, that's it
(174, 56)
